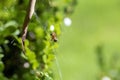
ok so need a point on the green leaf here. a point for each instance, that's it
(1, 66)
(31, 56)
(39, 32)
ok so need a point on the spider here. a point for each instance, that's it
(54, 37)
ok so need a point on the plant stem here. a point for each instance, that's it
(29, 14)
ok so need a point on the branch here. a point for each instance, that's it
(29, 14)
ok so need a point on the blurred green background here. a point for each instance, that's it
(94, 23)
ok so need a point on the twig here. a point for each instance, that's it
(29, 14)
